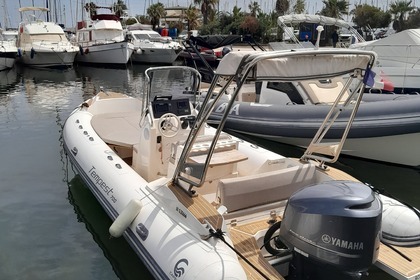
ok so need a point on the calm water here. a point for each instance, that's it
(51, 225)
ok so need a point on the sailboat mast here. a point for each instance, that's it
(5, 16)
(20, 6)
(48, 12)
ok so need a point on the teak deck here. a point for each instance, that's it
(242, 237)
(397, 265)
(244, 241)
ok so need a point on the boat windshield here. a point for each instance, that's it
(142, 36)
(48, 38)
(171, 82)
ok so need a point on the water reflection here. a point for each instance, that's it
(49, 89)
(129, 81)
(123, 259)
(8, 80)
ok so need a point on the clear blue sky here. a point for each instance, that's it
(66, 9)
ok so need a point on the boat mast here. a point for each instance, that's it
(6, 18)
(20, 6)
(48, 12)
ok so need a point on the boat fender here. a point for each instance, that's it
(125, 218)
(86, 51)
(19, 53)
(32, 53)
(81, 50)
(400, 223)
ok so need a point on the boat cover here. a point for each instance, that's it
(298, 18)
(32, 9)
(215, 41)
(403, 47)
(308, 65)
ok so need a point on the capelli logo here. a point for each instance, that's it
(180, 267)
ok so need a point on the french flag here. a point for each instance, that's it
(381, 82)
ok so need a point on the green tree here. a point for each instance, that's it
(367, 16)
(254, 8)
(143, 19)
(334, 8)
(206, 7)
(191, 16)
(119, 8)
(156, 12)
(299, 7)
(282, 6)
(413, 20)
(211, 28)
(229, 23)
(400, 9)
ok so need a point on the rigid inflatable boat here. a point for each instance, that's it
(386, 127)
(197, 203)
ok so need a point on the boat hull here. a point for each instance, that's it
(8, 52)
(117, 53)
(47, 59)
(153, 55)
(405, 80)
(386, 130)
(7, 60)
(370, 148)
(154, 234)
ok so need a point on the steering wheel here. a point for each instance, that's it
(169, 125)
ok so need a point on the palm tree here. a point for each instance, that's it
(156, 12)
(191, 16)
(236, 12)
(254, 8)
(206, 7)
(299, 7)
(119, 8)
(334, 8)
(282, 6)
(399, 9)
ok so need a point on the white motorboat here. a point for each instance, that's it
(398, 60)
(397, 65)
(43, 43)
(8, 51)
(150, 47)
(197, 203)
(101, 39)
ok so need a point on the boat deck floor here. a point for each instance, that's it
(402, 263)
(244, 242)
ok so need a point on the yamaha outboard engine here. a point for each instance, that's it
(333, 230)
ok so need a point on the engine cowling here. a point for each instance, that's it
(334, 225)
